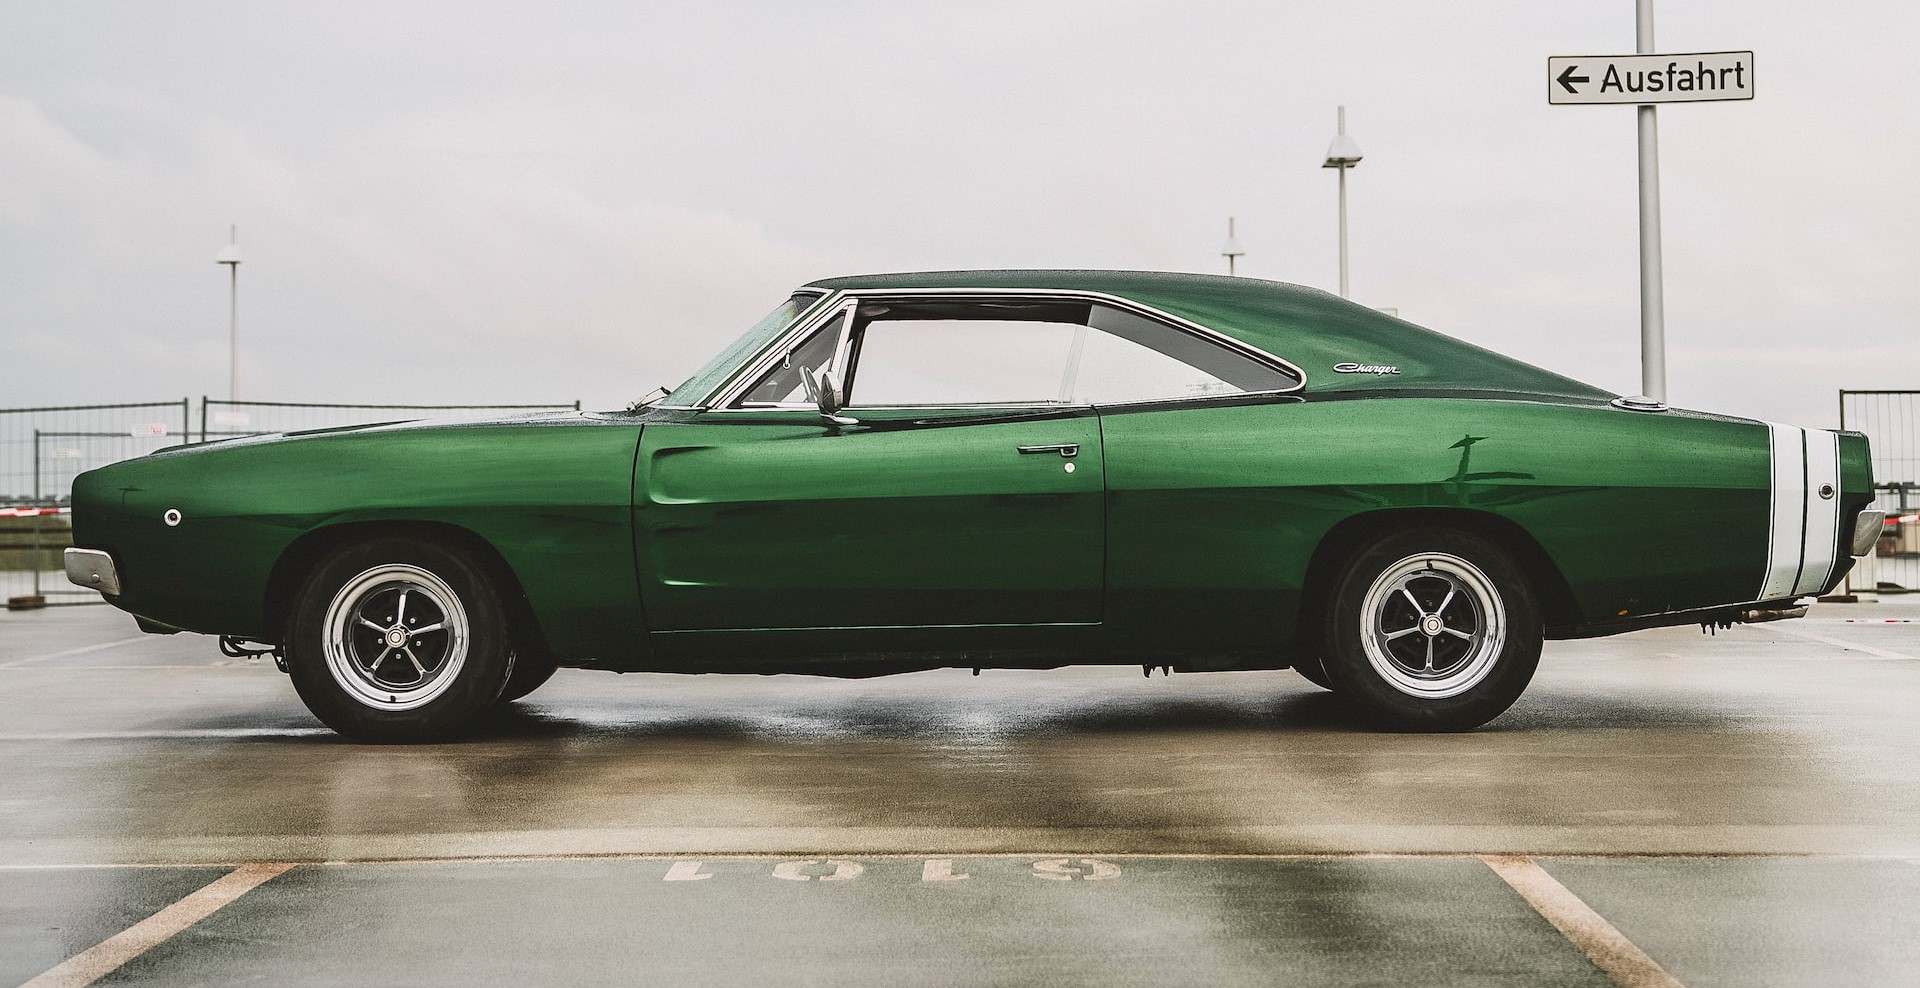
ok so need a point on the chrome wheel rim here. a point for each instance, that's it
(396, 637)
(1433, 625)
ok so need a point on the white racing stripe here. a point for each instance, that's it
(1823, 513)
(1803, 528)
(1786, 519)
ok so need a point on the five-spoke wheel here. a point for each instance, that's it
(1432, 630)
(398, 639)
(1435, 624)
(396, 636)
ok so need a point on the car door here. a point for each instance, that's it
(967, 491)
(1197, 544)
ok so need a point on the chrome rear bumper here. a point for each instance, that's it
(1866, 530)
(94, 570)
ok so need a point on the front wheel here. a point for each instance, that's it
(529, 674)
(1312, 671)
(1432, 630)
(396, 640)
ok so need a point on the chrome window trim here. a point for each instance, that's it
(830, 305)
(843, 345)
(806, 315)
(844, 313)
(739, 383)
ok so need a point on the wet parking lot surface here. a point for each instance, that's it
(1660, 808)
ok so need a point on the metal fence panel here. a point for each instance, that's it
(43, 449)
(223, 419)
(1891, 422)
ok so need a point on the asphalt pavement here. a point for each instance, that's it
(1661, 808)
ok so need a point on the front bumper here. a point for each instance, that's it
(93, 569)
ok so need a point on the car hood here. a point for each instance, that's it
(521, 420)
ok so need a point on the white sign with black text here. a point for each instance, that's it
(1645, 79)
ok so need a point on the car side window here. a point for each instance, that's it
(1036, 352)
(1129, 357)
(963, 353)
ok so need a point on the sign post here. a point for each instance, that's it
(1643, 80)
(1653, 282)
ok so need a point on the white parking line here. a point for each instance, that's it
(1837, 643)
(1605, 946)
(108, 955)
(72, 651)
(184, 734)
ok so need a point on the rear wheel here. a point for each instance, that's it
(398, 639)
(1432, 630)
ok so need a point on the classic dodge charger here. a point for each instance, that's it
(991, 469)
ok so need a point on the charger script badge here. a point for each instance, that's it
(1349, 367)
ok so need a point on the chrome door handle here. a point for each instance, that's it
(1066, 450)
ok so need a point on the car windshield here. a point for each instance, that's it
(706, 379)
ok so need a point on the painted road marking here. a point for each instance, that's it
(108, 955)
(1605, 946)
(145, 666)
(795, 871)
(1837, 643)
(1066, 870)
(15, 664)
(203, 733)
(686, 871)
(940, 870)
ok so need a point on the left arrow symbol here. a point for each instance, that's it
(1567, 79)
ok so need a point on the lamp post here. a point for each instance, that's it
(230, 256)
(1231, 249)
(1653, 316)
(1342, 154)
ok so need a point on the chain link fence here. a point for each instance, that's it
(225, 419)
(1891, 421)
(43, 449)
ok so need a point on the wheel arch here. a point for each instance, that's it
(1558, 608)
(298, 560)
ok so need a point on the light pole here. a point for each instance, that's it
(1653, 317)
(1342, 154)
(230, 256)
(1231, 249)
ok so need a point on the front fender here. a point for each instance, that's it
(553, 499)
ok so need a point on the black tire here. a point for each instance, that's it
(1310, 670)
(453, 653)
(1432, 630)
(528, 674)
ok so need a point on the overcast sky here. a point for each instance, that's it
(520, 202)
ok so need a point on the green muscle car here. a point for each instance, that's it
(992, 469)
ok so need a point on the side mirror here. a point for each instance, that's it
(827, 391)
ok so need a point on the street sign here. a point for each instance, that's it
(1647, 79)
